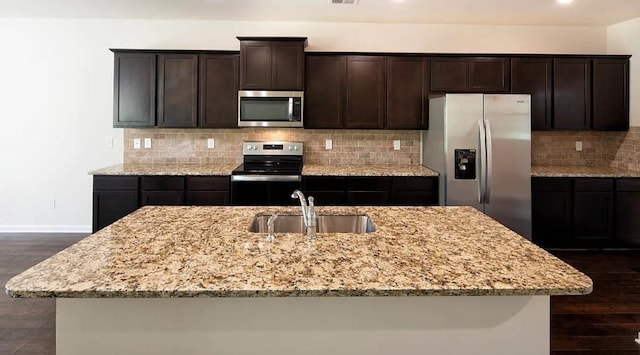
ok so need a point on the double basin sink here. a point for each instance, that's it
(326, 224)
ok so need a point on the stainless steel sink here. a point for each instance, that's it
(326, 224)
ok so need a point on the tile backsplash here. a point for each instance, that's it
(349, 146)
(615, 149)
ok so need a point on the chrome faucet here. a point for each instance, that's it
(308, 214)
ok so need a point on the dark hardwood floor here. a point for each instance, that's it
(608, 320)
(27, 326)
(604, 322)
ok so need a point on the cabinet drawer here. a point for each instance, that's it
(208, 198)
(327, 198)
(595, 184)
(368, 198)
(414, 183)
(115, 182)
(324, 183)
(628, 185)
(162, 198)
(164, 183)
(369, 184)
(550, 184)
(415, 198)
(208, 183)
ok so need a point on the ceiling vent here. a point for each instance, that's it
(344, 2)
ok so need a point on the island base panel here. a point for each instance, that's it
(304, 325)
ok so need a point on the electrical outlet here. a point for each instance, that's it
(52, 204)
(578, 146)
(328, 144)
(147, 143)
(109, 142)
(211, 143)
(396, 144)
(136, 143)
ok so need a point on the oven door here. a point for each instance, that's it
(264, 190)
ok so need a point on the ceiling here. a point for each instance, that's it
(494, 12)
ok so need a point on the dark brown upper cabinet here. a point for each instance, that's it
(177, 90)
(534, 76)
(611, 94)
(272, 63)
(407, 105)
(366, 92)
(572, 93)
(218, 90)
(325, 92)
(134, 90)
(470, 74)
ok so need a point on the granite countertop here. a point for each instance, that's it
(163, 251)
(367, 170)
(167, 169)
(226, 169)
(581, 171)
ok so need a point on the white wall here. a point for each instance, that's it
(622, 38)
(57, 78)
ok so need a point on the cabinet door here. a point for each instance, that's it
(533, 76)
(219, 90)
(551, 207)
(489, 74)
(593, 211)
(572, 93)
(406, 93)
(177, 90)
(627, 212)
(414, 191)
(449, 74)
(325, 92)
(287, 65)
(365, 92)
(611, 94)
(134, 90)
(593, 218)
(111, 205)
(113, 198)
(255, 65)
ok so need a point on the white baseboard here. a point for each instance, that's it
(45, 229)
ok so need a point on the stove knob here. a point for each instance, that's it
(290, 148)
(255, 147)
(295, 148)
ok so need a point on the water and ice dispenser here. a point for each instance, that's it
(465, 164)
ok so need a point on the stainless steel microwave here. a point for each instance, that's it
(270, 108)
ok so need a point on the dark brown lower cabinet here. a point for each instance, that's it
(207, 190)
(162, 190)
(593, 212)
(372, 190)
(628, 212)
(586, 212)
(113, 198)
(414, 191)
(326, 190)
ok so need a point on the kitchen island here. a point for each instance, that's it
(195, 280)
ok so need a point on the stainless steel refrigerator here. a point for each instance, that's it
(481, 146)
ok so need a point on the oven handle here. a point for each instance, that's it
(267, 178)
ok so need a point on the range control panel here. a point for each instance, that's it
(272, 148)
(465, 164)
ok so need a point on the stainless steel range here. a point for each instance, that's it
(270, 172)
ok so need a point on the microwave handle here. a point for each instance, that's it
(290, 109)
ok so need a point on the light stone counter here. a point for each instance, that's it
(581, 171)
(367, 170)
(208, 251)
(167, 169)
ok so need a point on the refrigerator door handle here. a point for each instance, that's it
(488, 163)
(481, 157)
